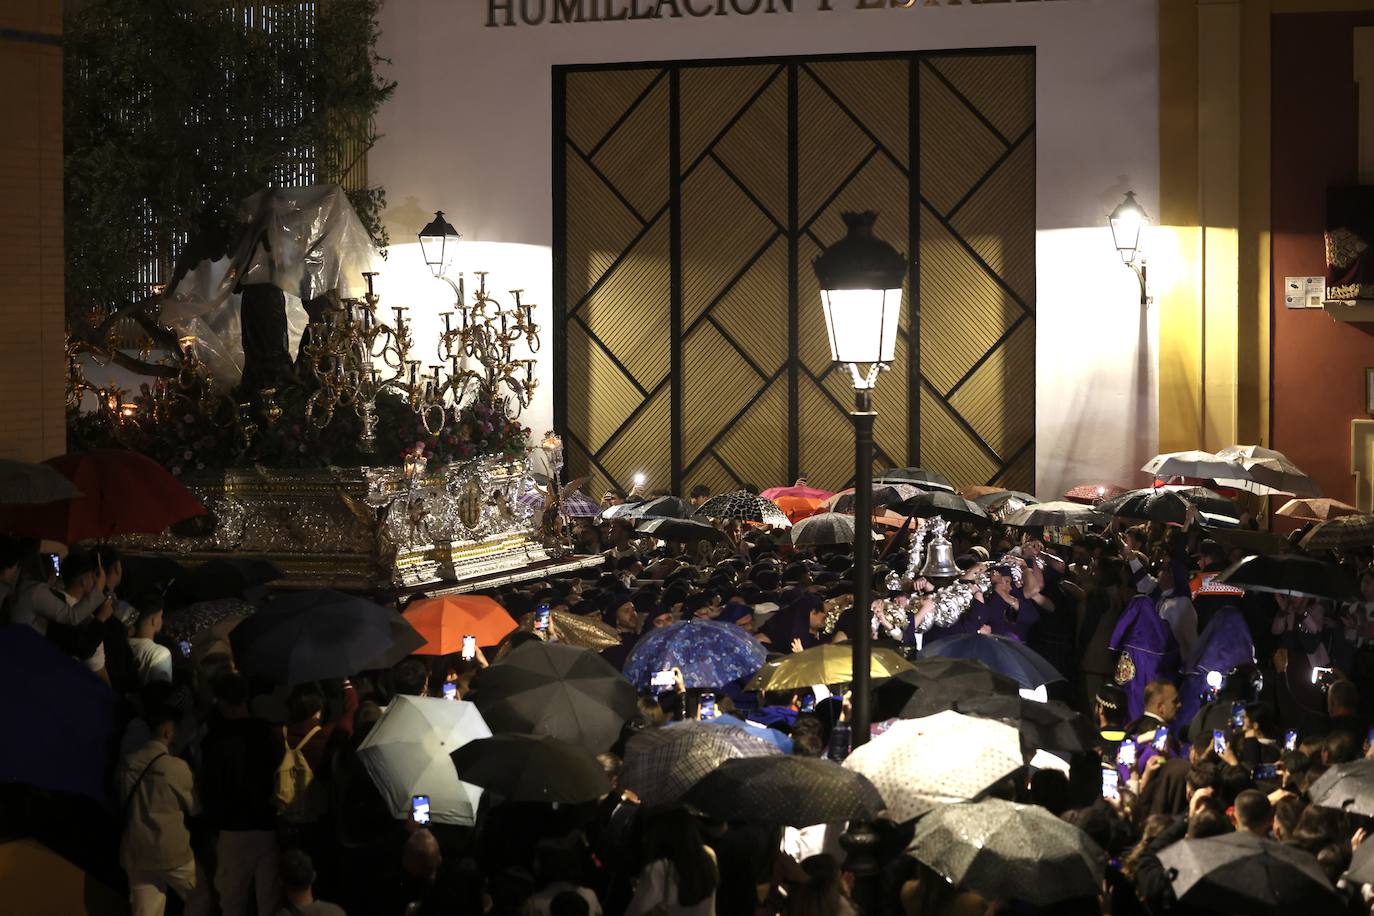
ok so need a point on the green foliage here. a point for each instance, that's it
(175, 110)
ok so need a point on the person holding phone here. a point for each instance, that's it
(74, 598)
(152, 660)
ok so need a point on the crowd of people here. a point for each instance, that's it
(1214, 711)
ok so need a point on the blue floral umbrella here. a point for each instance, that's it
(708, 653)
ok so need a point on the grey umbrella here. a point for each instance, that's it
(1346, 787)
(825, 528)
(661, 764)
(950, 506)
(1346, 531)
(1007, 851)
(25, 484)
(785, 791)
(918, 477)
(1242, 873)
(1056, 514)
(686, 530)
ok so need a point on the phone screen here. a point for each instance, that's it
(1290, 740)
(450, 691)
(1218, 741)
(1125, 754)
(1161, 739)
(1110, 782)
(1237, 715)
(1267, 772)
(185, 646)
(706, 706)
(541, 618)
(808, 702)
(469, 648)
(663, 680)
(419, 809)
(55, 563)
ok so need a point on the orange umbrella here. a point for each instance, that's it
(797, 508)
(443, 622)
(1318, 510)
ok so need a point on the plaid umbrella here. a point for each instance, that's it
(1290, 574)
(920, 477)
(685, 530)
(1346, 787)
(1242, 873)
(532, 768)
(884, 494)
(1007, 851)
(406, 754)
(1347, 531)
(744, 506)
(1317, 510)
(826, 528)
(1091, 493)
(662, 764)
(577, 504)
(1057, 514)
(1005, 656)
(709, 654)
(25, 484)
(785, 791)
(918, 764)
(948, 505)
(830, 663)
(566, 693)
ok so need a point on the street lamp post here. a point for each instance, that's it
(1127, 222)
(861, 279)
(438, 242)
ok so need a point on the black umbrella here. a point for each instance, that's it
(148, 574)
(1162, 504)
(662, 764)
(222, 578)
(1346, 787)
(663, 507)
(1242, 873)
(1052, 725)
(917, 477)
(1005, 656)
(532, 768)
(405, 640)
(685, 530)
(785, 791)
(566, 693)
(950, 506)
(1290, 574)
(884, 494)
(941, 682)
(311, 636)
(992, 500)
(1346, 531)
(1361, 870)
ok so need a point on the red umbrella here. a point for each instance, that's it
(800, 491)
(125, 493)
(1090, 493)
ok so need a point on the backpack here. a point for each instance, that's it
(297, 798)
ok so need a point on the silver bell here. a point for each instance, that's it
(940, 562)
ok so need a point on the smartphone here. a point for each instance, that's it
(1125, 753)
(541, 618)
(663, 680)
(808, 702)
(419, 809)
(1218, 742)
(1290, 740)
(1161, 741)
(1323, 676)
(1237, 715)
(1111, 780)
(469, 648)
(55, 564)
(185, 646)
(1267, 772)
(450, 691)
(706, 706)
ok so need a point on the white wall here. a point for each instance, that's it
(469, 130)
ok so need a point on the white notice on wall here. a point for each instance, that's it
(1304, 292)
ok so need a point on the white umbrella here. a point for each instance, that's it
(918, 764)
(1057, 513)
(407, 754)
(1268, 473)
(1195, 463)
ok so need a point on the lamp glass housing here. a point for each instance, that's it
(1127, 221)
(862, 324)
(438, 244)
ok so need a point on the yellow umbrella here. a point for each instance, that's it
(576, 630)
(832, 663)
(39, 882)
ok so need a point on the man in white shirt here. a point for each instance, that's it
(153, 660)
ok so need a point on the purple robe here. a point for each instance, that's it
(1224, 644)
(1147, 649)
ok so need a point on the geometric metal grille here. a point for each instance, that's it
(690, 201)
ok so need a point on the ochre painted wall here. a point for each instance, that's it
(1318, 363)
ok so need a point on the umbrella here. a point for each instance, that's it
(826, 528)
(942, 682)
(576, 631)
(311, 636)
(57, 720)
(682, 530)
(797, 508)
(618, 510)
(405, 642)
(407, 753)
(753, 729)
(225, 577)
(883, 495)
(918, 764)
(1346, 787)
(990, 501)
(1249, 542)
(919, 477)
(548, 689)
(661, 764)
(1052, 725)
(1361, 869)
(709, 654)
(830, 663)
(206, 621)
(663, 507)
(123, 493)
(144, 574)
(797, 491)
(39, 882)
(443, 622)
(576, 504)
(785, 792)
(1003, 655)
(746, 507)
(1092, 493)
(1290, 574)
(1268, 472)
(1171, 504)
(950, 506)
(1057, 514)
(1317, 510)
(1242, 873)
(1347, 531)
(532, 768)
(25, 484)
(1195, 463)
(1003, 850)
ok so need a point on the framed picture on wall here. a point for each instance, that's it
(1369, 390)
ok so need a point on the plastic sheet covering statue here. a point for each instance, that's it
(248, 307)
